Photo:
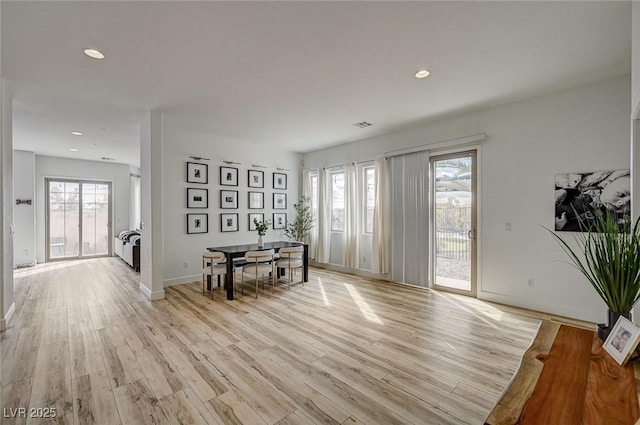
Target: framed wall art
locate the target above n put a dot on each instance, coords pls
(279, 221)
(197, 198)
(197, 223)
(256, 200)
(280, 181)
(229, 222)
(197, 173)
(279, 201)
(255, 216)
(228, 176)
(256, 178)
(228, 199)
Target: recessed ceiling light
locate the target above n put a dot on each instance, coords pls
(93, 53)
(73, 150)
(423, 73)
(76, 133)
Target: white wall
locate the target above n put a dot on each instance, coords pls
(179, 145)
(66, 168)
(7, 303)
(24, 216)
(581, 129)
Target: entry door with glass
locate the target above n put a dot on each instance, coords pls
(78, 219)
(454, 222)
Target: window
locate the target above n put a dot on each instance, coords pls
(369, 191)
(337, 201)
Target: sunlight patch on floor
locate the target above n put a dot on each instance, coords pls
(366, 310)
(474, 311)
(41, 268)
(324, 294)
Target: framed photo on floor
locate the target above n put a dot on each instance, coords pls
(229, 199)
(228, 176)
(279, 221)
(197, 173)
(622, 340)
(256, 216)
(279, 201)
(256, 200)
(256, 178)
(280, 181)
(197, 198)
(197, 223)
(228, 222)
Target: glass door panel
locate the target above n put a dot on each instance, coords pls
(454, 222)
(64, 198)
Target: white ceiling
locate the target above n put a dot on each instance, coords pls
(295, 75)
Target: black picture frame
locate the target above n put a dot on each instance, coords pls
(279, 221)
(197, 223)
(229, 222)
(228, 176)
(197, 198)
(280, 181)
(255, 178)
(228, 199)
(259, 216)
(256, 200)
(197, 173)
(279, 201)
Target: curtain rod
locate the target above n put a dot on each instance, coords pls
(342, 165)
(134, 175)
(440, 144)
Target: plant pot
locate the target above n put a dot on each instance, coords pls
(605, 329)
(260, 242)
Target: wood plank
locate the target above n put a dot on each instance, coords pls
(551, 403)
(93, 401)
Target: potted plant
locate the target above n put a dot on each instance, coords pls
(609, 257)
(303, 223)
(261, 227)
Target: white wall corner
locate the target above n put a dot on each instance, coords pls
(152, 295)
(4, 321)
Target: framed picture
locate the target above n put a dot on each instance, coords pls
(229, 199)
(580, 196)
(279, 201)
(256, 178)
(622, 340)
(279, 181)
(197, 173)
(228, 222)
(256, 200)
(279, 220)
(228, 176)
(257, 216)
(197, 223)
(197, 198)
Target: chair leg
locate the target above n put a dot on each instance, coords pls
(256, 286)
(203, 284)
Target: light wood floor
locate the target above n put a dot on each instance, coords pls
(340, 350)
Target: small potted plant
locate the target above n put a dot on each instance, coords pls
(303, 223)
(261, 227)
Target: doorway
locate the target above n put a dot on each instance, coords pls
(454, 212)
(78, 219)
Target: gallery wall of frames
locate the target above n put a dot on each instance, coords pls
(262, 192)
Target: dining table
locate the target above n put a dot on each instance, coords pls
(235, 252)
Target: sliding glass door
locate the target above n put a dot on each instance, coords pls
(78, 219)
(454, 222)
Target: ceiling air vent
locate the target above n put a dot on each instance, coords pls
(106, 158)
(363, 124)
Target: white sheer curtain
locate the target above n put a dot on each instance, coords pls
(380, 237)
(409, 200)
(324, 217)
(350, 234)
(134, 203)
(307, 192)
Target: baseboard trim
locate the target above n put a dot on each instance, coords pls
(343, 269)
(182, 279)
(155, 295)
(4, 321)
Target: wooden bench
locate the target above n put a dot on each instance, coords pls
(567, 378)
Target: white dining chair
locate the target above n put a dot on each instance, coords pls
(258, 264)
(291, 259)
(213, 264)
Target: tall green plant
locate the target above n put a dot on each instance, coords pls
(303, 223)
(609, 257)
